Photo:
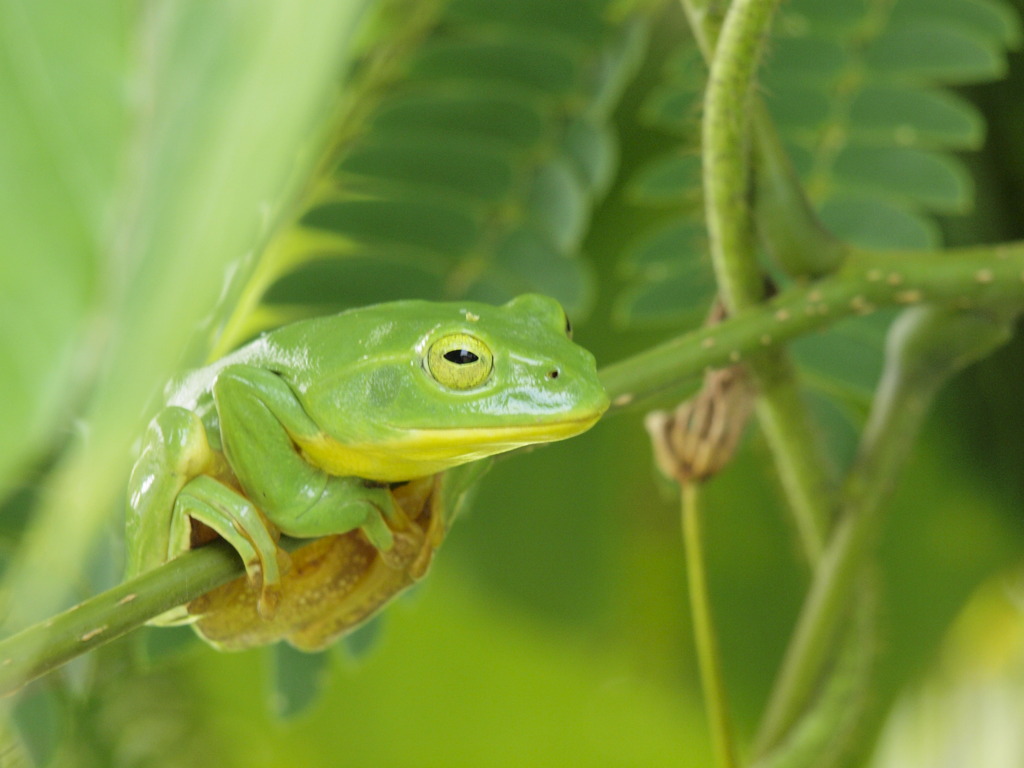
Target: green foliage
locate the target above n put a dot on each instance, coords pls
(191, 173)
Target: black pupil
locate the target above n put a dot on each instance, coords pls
(460, 356)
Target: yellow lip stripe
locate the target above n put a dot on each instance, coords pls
(422, 452)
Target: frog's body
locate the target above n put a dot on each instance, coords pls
(302, 430)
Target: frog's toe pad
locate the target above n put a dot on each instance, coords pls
(266, 606)
(405, 549)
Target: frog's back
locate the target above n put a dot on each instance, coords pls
(303, 350)
(348, 338)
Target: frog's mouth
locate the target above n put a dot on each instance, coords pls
(421, 452)
(471, 443)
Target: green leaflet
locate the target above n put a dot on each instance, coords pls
(670, 180)
(910, 115)
(678, 287)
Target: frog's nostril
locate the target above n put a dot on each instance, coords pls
(553, 374)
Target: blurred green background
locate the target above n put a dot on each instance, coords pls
(180, 176)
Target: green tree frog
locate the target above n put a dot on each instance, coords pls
(311, 429)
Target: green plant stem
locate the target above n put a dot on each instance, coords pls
(926, 347)
(703, 628)
(790, 232)
(705, 19)
(784, 419)
(726, 156)
(800, 460)
(832, 723)
(979, 276)
(789, 229)
(43, 647)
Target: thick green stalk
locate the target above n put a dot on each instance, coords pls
(787, 226)
(926, 347)
(725, 145)
(45, 646)
(703, 628)
(803, 473)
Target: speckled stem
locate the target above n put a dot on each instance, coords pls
(43, 647)
(980, 276)
(800, 461)
(726, 145)
(787, 226)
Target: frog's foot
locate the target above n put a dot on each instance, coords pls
(407, 545)
(234, 518)
(397, 546)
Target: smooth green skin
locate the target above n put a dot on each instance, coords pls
(302, 430)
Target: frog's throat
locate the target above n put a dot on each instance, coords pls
(422, 452)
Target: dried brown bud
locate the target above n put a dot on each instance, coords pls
(696, 440)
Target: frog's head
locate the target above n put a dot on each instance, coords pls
(439, 384)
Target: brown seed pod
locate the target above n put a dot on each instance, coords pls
(696, 440)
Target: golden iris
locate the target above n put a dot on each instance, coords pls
(459, 361)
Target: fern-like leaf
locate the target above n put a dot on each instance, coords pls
(473, 171)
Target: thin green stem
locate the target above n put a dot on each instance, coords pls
(799, 458)
(703, 629)
(705, 20)
(926, 347)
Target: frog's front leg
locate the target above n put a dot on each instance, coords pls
(234, 518)
(173, 483)
(260, 418)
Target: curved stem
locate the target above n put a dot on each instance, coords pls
(703, 628)
(788, 228)
(726, 152)
(926, 347)
(783, 416)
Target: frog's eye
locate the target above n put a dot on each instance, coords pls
(459, 361)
